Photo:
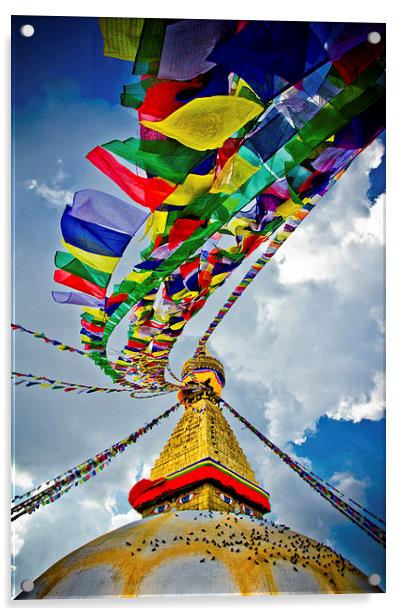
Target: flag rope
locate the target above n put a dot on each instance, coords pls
(368, 526)
(53, 489)
(274, 244)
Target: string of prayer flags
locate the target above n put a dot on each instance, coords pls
(55, 488)
(241, 128)
(366, 524)
(255, 269)
(30, 380)
(41, 336)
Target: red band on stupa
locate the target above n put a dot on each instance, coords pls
(146, 492)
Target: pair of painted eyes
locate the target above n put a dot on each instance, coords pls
(182, 500)
(226, 499)
(185, 499)
(247, 510)
(162, 508)
(230, 501)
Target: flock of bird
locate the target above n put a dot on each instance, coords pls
(265, 542)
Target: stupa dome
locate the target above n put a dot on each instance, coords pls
(196, 552)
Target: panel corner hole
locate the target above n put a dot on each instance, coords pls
(374, 37)
(27, 585)
(27, 30)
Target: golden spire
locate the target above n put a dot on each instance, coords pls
(202, 465)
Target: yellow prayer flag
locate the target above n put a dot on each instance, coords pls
(205, 123)
(184, 293)
(235, 172)
(283, 235)
(86, 339)
(192, 186)
(238, 225)
(155, 225)
(98, 262)
(163, 338)
(121, 36)
(243, 84)
(158, 354)
(218, 278)
(178, 325)
(130, 354)
(98, 313)
(138, 276)
(288, 208)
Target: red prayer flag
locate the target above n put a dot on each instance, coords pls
(181, 230)
(91, 327)
(150, 192)
(160, 99)
(75, 282)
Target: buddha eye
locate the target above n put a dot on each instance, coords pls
(226, 499)
(161, 508)
(247, 510)
(185, 499)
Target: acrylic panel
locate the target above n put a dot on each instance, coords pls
(198, 307)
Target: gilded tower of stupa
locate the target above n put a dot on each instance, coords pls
(202, 530)
(202, 466)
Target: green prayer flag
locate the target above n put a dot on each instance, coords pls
(68, 263)
(167, 159)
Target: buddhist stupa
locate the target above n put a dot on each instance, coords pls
(202, 531)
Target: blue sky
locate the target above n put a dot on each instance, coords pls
(303, 350)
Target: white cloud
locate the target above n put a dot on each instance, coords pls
(309, 331)
(120, 519)
(350, 486)
(378, 314)
(324, 247)
(294, 503)
(109, 505)
(53, 193)
(19, 531)
(366, 406)
(371, 227)
(61, 174)
(55, 196)
(21, 479)
(87, 503)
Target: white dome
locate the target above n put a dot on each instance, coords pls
(199, 553)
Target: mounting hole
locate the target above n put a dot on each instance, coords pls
(27, 585)
(374, 579)
(27, 30)
(374, 37)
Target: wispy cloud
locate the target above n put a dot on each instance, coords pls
(54, 192)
